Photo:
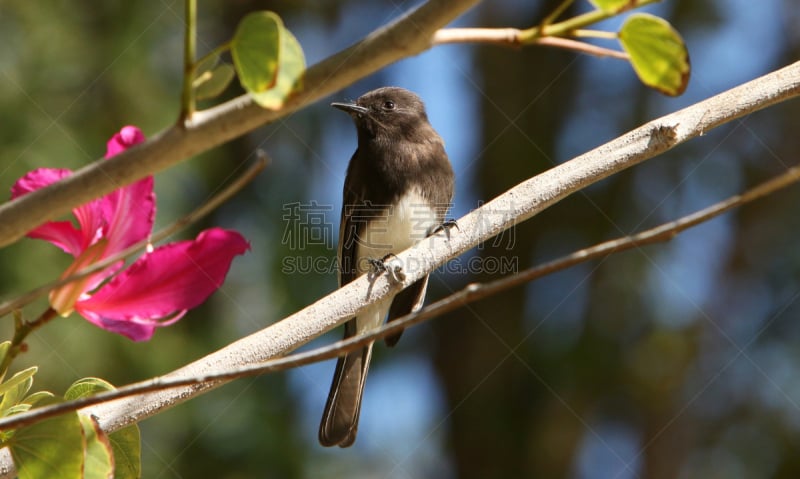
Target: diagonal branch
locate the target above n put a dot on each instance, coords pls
(471, 293)
(406, 36)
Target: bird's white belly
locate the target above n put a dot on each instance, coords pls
(405, 224)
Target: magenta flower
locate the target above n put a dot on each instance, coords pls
(159, 287)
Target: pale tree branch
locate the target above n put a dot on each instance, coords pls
(513, 206)
(471, 293)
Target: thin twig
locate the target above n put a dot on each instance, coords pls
(22, 329)
(471, 293)
(582, 47)
(513, 37)
(213, 203)
(497, 36)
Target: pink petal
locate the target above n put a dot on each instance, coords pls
(36, 179)
(131, 211)
(173, 278)
(127, 137)
(61, 233)
(136, 329)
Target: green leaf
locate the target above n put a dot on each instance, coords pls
(99, 457)
(16, 388)
(206, 65)
(658, 54)
(4, 347)
(36, 397)
(212, 83)
(87, 387)
(613, 6)
(127, 445)
(22, 406)
(52, 448)
(255, 48)
(290, 73)
(268, 59)
(16, 409)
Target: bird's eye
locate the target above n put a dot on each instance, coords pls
(388, 105)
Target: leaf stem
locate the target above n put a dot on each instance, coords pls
(556, 13)
(215, 52)
(568, 27)
(189, 49)
(22, 329)
(595, 34)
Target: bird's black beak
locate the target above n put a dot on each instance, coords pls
(351, 108)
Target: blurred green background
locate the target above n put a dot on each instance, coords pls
(676, 360)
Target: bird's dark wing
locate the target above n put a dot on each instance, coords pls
(409, 300)
(352, 199)
(340, 418)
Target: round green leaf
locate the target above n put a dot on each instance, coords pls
(85, 387)
(292, 65)
(98, 458)
(657, 52)
(50, 448)
(212, 83)
(127, 445)
(255, 47)
(612, 6)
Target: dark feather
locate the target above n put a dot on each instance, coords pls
(408, 301)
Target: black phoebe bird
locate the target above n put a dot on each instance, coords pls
(397, 191)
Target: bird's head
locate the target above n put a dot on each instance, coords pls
(387, 112)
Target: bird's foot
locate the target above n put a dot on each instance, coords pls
(446, 226)
(389, 264)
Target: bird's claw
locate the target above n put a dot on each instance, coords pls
(389, 264)
(446, 226)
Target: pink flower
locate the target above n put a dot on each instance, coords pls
(159, 287)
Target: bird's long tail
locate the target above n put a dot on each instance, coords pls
(340, 418)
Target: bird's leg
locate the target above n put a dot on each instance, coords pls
(446, 226)
(389, 264)
(377, 265)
